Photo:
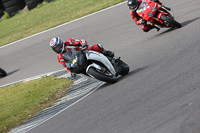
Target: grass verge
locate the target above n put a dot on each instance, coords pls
(48, 15)
(23, 100)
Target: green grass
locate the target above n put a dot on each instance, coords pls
(21, 101)
(46, 16)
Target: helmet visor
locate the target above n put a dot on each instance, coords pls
(133, 7)
(57, 49)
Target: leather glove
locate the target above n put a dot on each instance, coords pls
(143, 21)
(73, 75)
(84, 46)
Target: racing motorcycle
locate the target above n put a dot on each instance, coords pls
(157, 15)
(95, 65)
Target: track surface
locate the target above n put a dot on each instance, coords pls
(161, 94)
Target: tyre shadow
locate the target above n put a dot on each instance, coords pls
(125, 76)
(133, 72)
(10, 73)
(189, 21)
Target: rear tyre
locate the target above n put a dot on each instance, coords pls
(166, 18)
(109, 79)
(124, 68)
(2, 73)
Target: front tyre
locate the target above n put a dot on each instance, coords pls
(168, 19)
(100, 76)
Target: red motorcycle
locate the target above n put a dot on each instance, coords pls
(157, 14)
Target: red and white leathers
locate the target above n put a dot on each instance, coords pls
(137, 18)
(78, 44)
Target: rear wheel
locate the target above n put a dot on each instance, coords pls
(100, 76)
(168, 19)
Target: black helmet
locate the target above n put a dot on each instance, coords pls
(132, 4)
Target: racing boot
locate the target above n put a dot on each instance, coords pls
(150, 27)
(153, 26)
(157, 28)
(108, 53)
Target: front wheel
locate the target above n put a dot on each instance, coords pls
(100, 76)
(168, 19)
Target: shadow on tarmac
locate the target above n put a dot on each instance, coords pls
(131, 73)
(10, 73)
(125, 76)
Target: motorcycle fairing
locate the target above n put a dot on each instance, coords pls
(92, 55)
(148, 9)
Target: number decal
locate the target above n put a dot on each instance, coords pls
(139, 11)
(73, 62)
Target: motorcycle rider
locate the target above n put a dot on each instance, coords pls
(133, 6)
(61, 48)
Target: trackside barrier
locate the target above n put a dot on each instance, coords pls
(14, 6)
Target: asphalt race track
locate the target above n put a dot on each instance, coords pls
(161, 94)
